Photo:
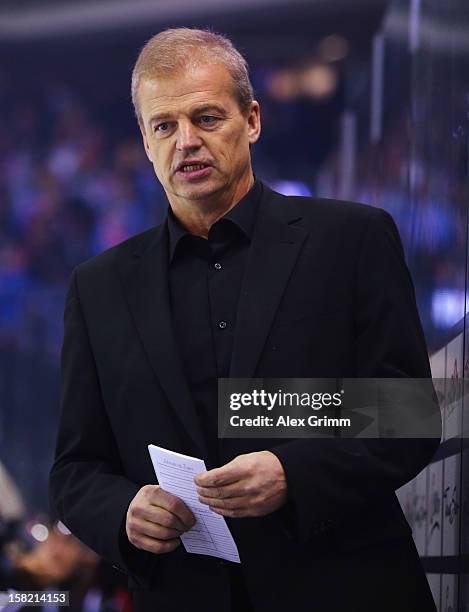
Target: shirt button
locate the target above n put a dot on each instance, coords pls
(222, 324)
(217, 266)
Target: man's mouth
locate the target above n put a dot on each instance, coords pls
(193, 170)
(192, 167)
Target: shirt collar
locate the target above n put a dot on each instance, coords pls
(242, 215)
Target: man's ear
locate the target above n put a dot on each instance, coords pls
(254, 122)
(145, 140)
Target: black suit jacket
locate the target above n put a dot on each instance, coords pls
(326, 294)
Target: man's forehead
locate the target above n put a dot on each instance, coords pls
(213, 81)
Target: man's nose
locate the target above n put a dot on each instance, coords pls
(187, 137)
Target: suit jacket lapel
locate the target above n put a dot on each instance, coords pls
(275, 246)
(145, 281)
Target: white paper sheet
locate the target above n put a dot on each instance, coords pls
(210, 535)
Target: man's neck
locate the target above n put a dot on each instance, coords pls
(199, 219)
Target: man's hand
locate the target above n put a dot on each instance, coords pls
(155, 520)
(250, 485)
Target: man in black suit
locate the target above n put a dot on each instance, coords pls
(239, 281)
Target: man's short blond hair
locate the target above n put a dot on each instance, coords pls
(178, 48)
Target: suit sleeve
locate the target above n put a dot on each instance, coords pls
(87, 488)
(331, 479)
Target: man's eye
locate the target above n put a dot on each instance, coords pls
(162, 127)
(208, 120)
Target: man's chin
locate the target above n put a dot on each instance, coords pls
(198, 191)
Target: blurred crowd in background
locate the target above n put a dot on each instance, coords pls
(66, 195)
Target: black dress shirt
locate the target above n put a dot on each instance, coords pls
(205, 277)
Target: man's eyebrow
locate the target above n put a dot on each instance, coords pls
(204, 108)
(159, 117)
(208, 107)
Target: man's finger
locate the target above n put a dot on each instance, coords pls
(157, 546)
(157, 531)
(160, 516)
(234, 513)
(229, 473)
(233, 503)
(174, 505)
(236, 489)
